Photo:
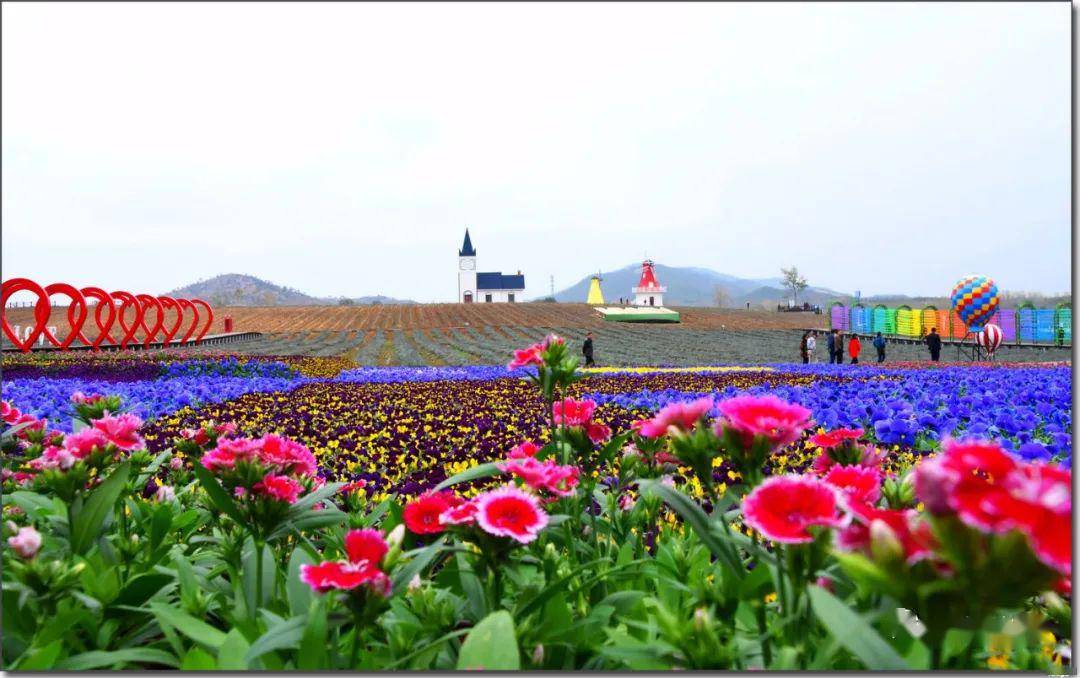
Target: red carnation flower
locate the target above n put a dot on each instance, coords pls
(915, 536)
(783, 507)
(831, 439)
(509, 512)
(365, 546)
(994, 493)
(859, 484)
(598, 433)
(570, 412)
(779, 422)
(422, 516)
(365, 550)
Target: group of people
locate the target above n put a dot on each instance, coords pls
(834, 344)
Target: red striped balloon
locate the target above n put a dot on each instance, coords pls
(990, 338)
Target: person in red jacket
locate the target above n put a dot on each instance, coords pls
(854, 347)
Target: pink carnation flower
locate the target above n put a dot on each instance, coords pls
(287, 456)
(570, 412)
(121, 430)
(682, 416)
(281, 488)
(510, 512)
(26, 543)
(84, 442)
(781, 423)
(228, 452)
(525, 449)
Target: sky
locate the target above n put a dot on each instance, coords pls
(342, 149)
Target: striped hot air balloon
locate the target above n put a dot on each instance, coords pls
(975, 298)
(990, 338)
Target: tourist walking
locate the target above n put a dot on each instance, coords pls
(839, 348)
(854, 348)
(804, 350)
(830, 346)
(587, 350)
(879, 344)
(933, 342)
(811, 344)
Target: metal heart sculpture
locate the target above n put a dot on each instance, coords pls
(209, 318)
(128, 300)
(185, 304)
(41, 311)
(109, 310)
(170, 303)
(105, 303)
(147, 303)
(76, 313)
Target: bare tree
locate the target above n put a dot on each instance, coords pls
(721, 298)
(793, 281)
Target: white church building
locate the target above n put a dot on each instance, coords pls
(485, 287)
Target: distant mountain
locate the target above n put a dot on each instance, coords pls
(691, 286)
(235, 289)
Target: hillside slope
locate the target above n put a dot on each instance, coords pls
(692, 286)
(235, 289)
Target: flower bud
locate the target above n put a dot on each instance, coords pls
(393, 540)
(701, 619)
(825, 583)
(884, 544)
(415, 584)
(538, 654)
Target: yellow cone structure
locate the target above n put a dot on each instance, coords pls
(595, 295)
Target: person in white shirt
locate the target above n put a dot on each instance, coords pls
(811, 344)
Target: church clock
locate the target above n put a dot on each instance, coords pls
(467, 264)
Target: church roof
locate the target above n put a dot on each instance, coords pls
(498, 281)
(467, 249)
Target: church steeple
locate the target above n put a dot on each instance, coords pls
(467, 249)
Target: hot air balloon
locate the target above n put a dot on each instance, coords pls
(975, 298)
(990, 338)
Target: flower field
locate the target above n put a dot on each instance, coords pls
(239, 511)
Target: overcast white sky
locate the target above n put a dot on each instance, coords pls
(342, 149)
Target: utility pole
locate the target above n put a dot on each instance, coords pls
(552, 287)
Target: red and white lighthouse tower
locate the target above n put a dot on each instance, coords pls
(648, 292)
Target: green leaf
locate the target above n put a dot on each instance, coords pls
(479, 471)
(298, 593)
(425, 648)
(193, 628)
(695, 516)
(491, 645)
(40, 659)
(142, 588)
(312, 653)
(854, 633)
(160, 523)
(471, 587)
(420, 560)
(233, 650)
(100, 504)
(286, 635)
(250, 580)
(218, 496)
(133, 655)
(198, 659)
(34, 504)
